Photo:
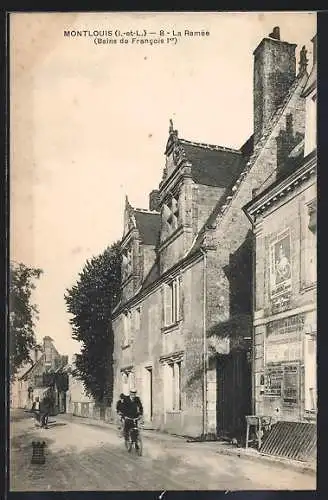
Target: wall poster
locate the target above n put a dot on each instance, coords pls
(284, 339)
(273, 380)
(290, 394)
(280, 272)
(283, 381)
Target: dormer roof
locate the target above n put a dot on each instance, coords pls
(212, 165)
(148, 224)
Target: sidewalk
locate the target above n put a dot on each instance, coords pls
(220, 447)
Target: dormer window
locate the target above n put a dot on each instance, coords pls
(170, 215)
(127, 263)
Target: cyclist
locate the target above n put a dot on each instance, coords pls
(132, 409)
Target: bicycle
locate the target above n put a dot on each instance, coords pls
(134, 437)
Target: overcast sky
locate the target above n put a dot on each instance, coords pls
(89, 123)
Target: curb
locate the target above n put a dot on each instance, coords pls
(279, 461)
(239, 452)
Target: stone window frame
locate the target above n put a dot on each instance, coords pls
(308, 225)
(171, 214)
(175, 365)
(127, 262)
(310, 337)
(130, 375)
(127, 329)
(172, 302)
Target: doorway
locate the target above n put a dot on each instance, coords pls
(234, 393)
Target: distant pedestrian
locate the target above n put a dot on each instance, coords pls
(36, 410)
(45, 410)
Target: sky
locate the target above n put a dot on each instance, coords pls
(89, 124)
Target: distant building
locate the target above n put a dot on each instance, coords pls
(78, 401)
(285, 276)
(20, 396)
(183, 329)
(40, 377)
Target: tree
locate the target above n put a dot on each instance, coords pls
(90, 302)
(22, 315)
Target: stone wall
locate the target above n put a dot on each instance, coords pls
(284, 329)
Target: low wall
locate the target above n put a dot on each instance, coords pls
(91, 410)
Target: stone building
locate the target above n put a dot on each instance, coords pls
(35, 381)
(183, 328)
(285, 277)
(20, 396)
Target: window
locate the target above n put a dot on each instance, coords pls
(170, 215)
(311, 243)
(126, 329)
(172, 302)
(172, 384)
(125, 382)
(126, 263)
(310, 378)
(137, 318)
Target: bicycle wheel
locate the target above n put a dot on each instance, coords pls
(138, 445)
(129, 443)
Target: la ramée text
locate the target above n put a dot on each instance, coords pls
(137, 33)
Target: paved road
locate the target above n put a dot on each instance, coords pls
(85, 457)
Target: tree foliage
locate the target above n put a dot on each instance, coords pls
(22, 315)
(90, 302)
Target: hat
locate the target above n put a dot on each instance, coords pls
(133, 391)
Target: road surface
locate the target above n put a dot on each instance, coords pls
(85, 457)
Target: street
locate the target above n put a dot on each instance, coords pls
(85, 457)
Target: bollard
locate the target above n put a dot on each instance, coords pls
(38, 456)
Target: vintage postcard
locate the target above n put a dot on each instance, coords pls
(163, 241)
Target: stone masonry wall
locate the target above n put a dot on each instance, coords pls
(289, 216)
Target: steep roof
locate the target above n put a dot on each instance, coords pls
(31, 368)
(152, 276)
(212, 165)
(225, 201)
(148, 224)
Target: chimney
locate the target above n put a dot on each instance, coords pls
(154, 200)
(274, 73)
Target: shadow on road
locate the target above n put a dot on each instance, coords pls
(55, 424)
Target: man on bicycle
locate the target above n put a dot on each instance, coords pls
(132, 408)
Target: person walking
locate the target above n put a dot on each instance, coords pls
(36, 410)
(45, 410)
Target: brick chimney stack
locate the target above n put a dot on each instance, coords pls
(154, 200)
(274, 73)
